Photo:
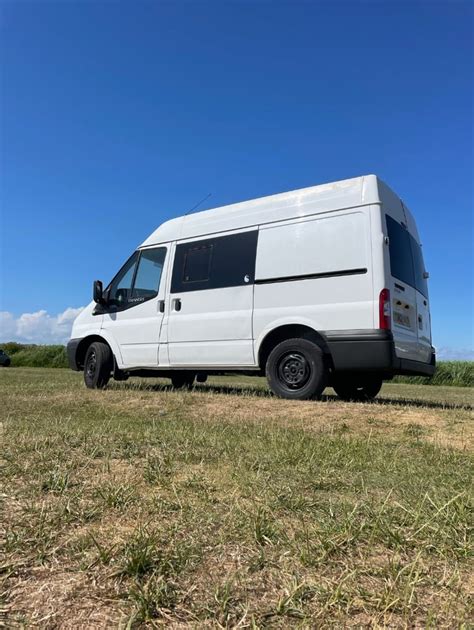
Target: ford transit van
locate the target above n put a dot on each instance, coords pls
(315, 287)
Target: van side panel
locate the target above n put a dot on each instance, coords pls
(324, 245)
(316, 272)
(213, 328)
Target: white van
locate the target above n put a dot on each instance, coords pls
(314, 287)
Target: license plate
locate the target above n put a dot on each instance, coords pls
(401, 319)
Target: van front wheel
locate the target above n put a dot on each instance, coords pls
(98, 365)
(357, 389)
(295, 370)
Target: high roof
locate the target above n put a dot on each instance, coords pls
(347, 193)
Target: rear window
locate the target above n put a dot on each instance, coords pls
(406, 259)
(401, 263)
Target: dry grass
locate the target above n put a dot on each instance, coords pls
(224, 507)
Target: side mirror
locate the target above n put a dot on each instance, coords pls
(98, 292)
(426, 275)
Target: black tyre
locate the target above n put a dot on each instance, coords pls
(98, 365)
(357, 389)
(295, 369)
(183, 380)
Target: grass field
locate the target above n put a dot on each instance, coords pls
(225, 507)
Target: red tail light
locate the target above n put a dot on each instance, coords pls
(385, 320)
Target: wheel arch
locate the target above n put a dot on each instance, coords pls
(84, 345)
(288, 331)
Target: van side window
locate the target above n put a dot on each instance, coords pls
(197, 263)
(148, 276)
(401, 262)
(215, 263)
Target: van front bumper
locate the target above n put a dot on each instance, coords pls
(372, 351)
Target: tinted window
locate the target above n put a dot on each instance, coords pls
(419, 267)
(121, 286)
(401, 263)
(150, 267)
(215, 263)
(197, 263)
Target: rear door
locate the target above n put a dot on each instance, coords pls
(211, 301)
(402, 291)
(422, 303)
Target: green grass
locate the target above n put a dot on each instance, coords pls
(140, 506)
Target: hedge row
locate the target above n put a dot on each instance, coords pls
(36, 356)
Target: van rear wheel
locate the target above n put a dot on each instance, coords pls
(351, 388)
(295, 370)
(98, 365)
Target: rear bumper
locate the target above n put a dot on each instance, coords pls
(71, 350)
(372, 351)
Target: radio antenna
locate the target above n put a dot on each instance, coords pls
(198, 204)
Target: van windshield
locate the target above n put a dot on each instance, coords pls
(406, 259)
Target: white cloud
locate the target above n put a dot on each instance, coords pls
(39, 327)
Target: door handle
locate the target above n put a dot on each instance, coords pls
(161, 306)
(177, 304)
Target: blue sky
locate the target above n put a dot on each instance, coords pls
(116, 116)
